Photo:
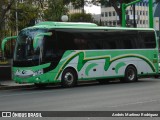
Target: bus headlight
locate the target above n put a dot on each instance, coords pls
(38, 72)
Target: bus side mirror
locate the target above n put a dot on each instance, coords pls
(4, 42)
(37, 38)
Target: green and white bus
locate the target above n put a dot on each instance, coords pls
(66, 52)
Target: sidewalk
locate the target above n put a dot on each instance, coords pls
(10, 84)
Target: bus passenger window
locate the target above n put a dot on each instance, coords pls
(81, 44)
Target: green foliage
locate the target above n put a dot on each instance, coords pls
(55, 10)
(66, 2)
(79, 3)
(81, 17)
(27, 14)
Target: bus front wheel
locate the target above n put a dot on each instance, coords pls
(69, 78)
(130, 74)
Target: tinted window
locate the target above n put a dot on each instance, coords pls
(65, 40)
(52, 51)
(147, 39)
(75, 39)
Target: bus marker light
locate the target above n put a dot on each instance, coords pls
(37, 79)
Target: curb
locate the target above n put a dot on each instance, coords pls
(5, 87)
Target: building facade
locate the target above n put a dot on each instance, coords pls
(73, 10)
(109, 16)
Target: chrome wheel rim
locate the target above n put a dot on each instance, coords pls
(131, 74)
(69, 78)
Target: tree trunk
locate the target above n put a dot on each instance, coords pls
(5, 10)
(118, 10)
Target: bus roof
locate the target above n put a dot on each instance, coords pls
(48, 23)
(79, 25)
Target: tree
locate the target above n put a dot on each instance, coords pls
(80, 3)
(56, 9)
(8, 9)
(81, 17)
(117, 5)
(27, 12)
(5, 6)
(27, 15)
(66, 2)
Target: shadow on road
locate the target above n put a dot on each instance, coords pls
(83, 84)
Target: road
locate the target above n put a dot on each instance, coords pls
(115, 96)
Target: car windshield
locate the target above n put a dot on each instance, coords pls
(24, 46)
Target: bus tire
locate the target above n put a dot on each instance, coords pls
(69, 78)
(130, 74)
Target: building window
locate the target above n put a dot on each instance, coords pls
(106, 23)
(143, 21)
(127, 12)
(110, 23)
(140, 4)
(140, 12)
(137, 12)
(102, 14)
(140, 21)
(106, 14)
(114, 23)
(131, 12)
(114, 14)
(143, 12)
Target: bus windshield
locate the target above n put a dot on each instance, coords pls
(24, 46)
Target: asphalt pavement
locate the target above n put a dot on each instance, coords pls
(115, 96)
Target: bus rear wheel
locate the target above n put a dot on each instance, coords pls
(69, 78)
(130, 74)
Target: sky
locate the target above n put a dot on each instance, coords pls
(93, 9)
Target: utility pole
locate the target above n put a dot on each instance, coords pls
(16, 19)
(151, 24)
(83, 3)
(124, 6)
(134, 16)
